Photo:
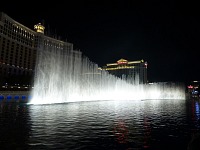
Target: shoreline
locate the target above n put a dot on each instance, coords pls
(14, 96)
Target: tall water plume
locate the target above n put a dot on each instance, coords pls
(69, 76)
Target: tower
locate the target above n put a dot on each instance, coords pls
(39, 28)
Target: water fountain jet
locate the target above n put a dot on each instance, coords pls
(62, 77)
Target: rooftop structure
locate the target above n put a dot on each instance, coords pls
(132, 70)
(20, 47)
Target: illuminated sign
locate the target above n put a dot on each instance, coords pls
(190, 87)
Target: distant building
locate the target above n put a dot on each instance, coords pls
(19, 47)
(193, 89)
(131, 70)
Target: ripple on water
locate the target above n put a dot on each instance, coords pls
(99, 125)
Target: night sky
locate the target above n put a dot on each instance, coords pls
(163, 33)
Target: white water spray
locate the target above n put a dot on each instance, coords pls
(70, 77)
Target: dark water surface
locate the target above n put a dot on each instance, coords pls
(104, 125)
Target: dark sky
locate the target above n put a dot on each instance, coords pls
(165, 33)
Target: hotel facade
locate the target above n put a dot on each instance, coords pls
(19, 48)
(135, 71)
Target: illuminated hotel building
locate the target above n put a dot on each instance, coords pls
(19, 47)
(193, 89)
(129, 69)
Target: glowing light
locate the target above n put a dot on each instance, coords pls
(39, 28)
(190, 87)
(122, 61)
(72, 78)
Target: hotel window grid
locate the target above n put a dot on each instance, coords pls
(19, 46)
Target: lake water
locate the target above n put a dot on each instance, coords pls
(102, 125)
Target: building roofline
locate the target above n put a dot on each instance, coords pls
(128, 62)
(4, 15)
(13, 20)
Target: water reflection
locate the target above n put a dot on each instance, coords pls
(121, 131)
(197, 110)
(100, 125)
(195, 116)
(147, 132)
(14, 126)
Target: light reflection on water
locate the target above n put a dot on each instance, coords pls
(100, 125)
